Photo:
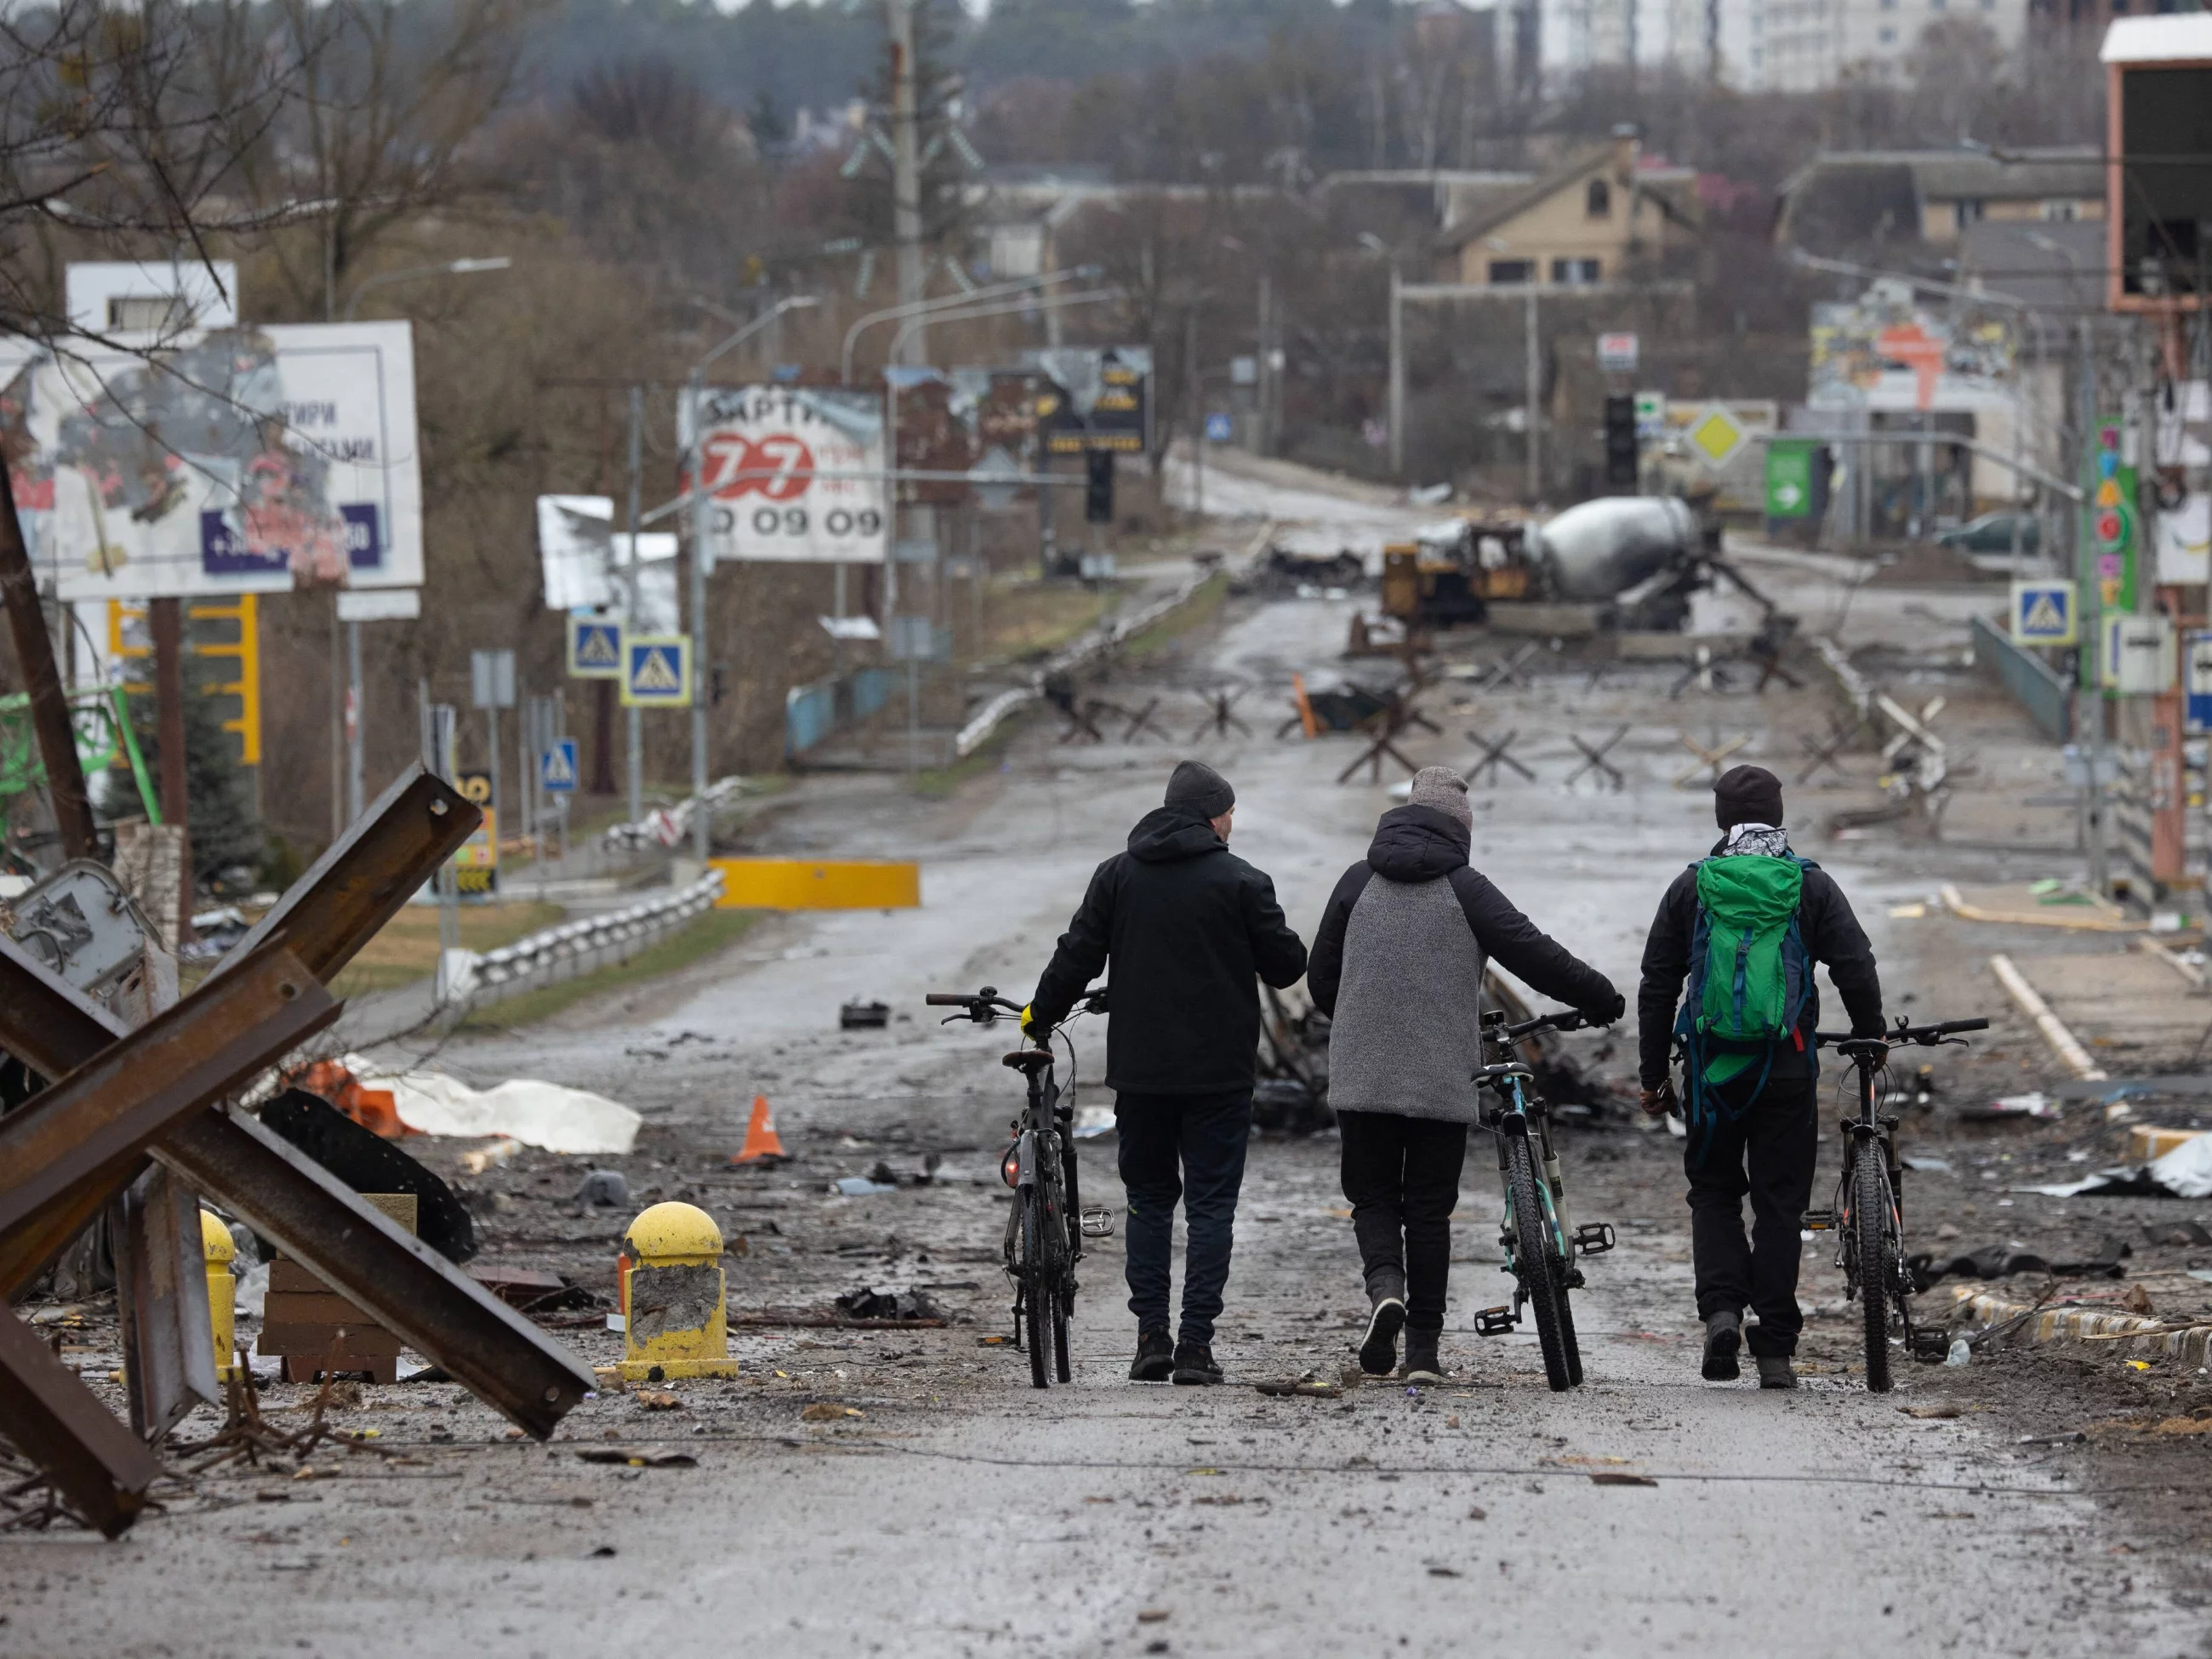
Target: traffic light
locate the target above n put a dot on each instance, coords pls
(1098, 487)
(1620, 441)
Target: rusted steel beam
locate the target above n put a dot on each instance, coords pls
(407, 1287)
(160, 1291)
(93, 1126)
(100, 1468)
(359, 884)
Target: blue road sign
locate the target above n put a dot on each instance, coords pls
(557, 767)
(594, 648)
(2197, 687)
(656, 672)
(1219, 429)
(2042, 612)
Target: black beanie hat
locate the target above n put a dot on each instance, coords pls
(1747, 794)
(1197, 786)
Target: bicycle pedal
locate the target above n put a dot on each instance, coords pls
(1819, 1221)
(1098, 1222)
(1593, 1238)
(1931, 1347)
(1495, 1322)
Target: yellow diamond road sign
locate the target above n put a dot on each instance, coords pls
(1718, 435)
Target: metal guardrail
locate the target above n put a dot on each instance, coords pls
(580, 947)
(2044, 694)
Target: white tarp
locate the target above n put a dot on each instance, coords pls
(766, 448)
(546, 1114)
(243, 460)
(2184, 1172)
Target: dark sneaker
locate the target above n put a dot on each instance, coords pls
(1378, 1352)
(1723, 1340)
(1155, 1357)
(1775, 1371)
(1422, 1364)
(1194, 1366)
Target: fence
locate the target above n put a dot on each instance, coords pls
(580, 947)
(811, 713)
(2044, 694)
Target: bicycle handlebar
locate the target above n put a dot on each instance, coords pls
(1566, 1020)
(1926, 1036)
(988, 1005)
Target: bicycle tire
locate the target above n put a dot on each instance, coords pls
(1567, 1338)
(1035, 1289)
(1060, 1339)
(1871, 1213)
(1534, 1253)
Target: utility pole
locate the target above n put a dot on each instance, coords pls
(1267, 364)
(1535, 399)
(1397, 412)
(1197, 410)
(633, 718)
(49, 711)
(906, 172)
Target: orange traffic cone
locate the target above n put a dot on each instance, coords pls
(762, 1141)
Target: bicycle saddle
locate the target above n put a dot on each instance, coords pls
(1497, 1075)
(1032, 1061)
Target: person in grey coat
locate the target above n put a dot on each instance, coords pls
(1398, 968)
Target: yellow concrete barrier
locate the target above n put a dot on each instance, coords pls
(675, 1318)
(835, 884)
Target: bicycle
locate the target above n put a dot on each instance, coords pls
(1047, 1224)
(1867, 1215)
(1541, 1244)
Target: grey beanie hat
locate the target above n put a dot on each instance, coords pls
(1197, 786)
(1444, 791)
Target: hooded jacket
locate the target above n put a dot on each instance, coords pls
(1398, 966)
(1189, 927)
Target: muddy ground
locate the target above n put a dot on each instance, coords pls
(933, 1503)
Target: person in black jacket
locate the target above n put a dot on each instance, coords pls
(1760, 1135)
(1189, 928)
(1398, 965)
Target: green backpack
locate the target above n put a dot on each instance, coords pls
(1749, 974)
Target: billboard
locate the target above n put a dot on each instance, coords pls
(247, 460)
(977, 421)
(1101, 398)
(1884, 352)
(795, 473)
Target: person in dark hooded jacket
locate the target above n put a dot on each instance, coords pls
(1189, 928)
(1397, 965)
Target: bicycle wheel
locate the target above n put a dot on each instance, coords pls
(1567, 1323)
(1060, 1337)
(1534, 1253)
(1036, 1288)
(1872, 1228)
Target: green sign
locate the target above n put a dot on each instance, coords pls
(1788, 480)
(2109, 536)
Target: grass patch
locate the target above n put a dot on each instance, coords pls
(706, 935)
(1203, 605)
(1039, 616)
(938, 783)
(406, 948)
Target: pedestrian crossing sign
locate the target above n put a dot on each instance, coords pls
(557, 767)
(2042, 612)
(656, 672)
(594, 647)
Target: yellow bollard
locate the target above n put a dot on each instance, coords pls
(675, 1322)
(222, 1293)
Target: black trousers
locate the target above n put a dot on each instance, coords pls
(1765, 1152)
(1401, 1179)
(1189, 1147)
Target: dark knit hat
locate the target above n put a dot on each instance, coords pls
(1747, 794)
(1442, 790)
(1197, 786)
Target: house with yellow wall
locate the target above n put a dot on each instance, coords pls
(1605, 209)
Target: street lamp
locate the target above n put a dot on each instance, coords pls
(357, 782)
(450, 268)
(702, 529)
